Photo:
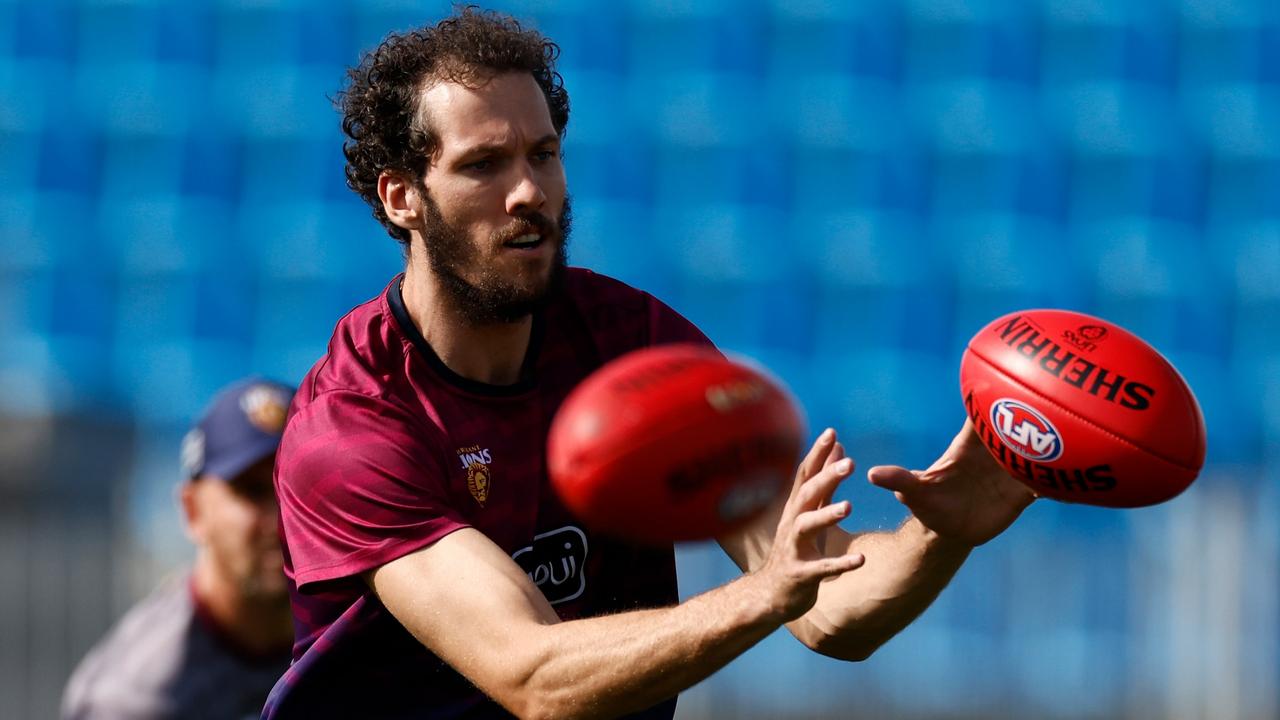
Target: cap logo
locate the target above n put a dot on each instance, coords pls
(192, 456)
(266, 408)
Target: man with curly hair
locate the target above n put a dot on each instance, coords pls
(433, 572)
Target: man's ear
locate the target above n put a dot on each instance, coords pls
(192, 519)
(399, 196)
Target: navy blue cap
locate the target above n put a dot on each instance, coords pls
(240, 427)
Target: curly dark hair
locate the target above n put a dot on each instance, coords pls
(380, 105)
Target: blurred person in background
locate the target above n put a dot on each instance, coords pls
(212, 642)
(434, 572)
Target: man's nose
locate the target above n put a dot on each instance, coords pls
(526, 194)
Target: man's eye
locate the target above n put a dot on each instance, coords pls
(479, 165)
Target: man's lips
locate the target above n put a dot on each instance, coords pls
(527, 241)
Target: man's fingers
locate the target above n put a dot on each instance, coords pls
(892, 477)
(836, 454)
(830, 567)
(813, 461)
(819, 488)
(824, 517)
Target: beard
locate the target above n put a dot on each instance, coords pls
(490, 298)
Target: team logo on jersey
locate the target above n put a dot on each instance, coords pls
(1026, 431)
(475, 460)
(265, 407)
(556, 562)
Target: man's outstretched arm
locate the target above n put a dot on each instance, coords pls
(961, 501)
(472, 606)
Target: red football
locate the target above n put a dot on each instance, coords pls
(1082, 410)
(673, 443)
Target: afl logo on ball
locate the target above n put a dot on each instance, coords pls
(1025, 431)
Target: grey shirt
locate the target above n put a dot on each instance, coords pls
(162, 660)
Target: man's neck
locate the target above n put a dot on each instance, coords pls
(493, 354)
(258, 626)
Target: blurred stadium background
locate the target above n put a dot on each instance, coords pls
(843, 190)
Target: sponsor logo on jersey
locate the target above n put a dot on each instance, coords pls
(265, 407)
(476, 460)
(1025, 430)
(556, 562)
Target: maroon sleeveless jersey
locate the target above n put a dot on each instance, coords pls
(386, 451)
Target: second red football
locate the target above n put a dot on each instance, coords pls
(672, 443)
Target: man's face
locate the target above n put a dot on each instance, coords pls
(494, 204)
(236, 522)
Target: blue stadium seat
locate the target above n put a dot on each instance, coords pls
(326, 35)
(366, 254)
(18, 157)
(831, 181)
(976, 115)
(727, 242)
(155, 309)
(694, 176)
(609, 170)
(853, 39)
(1137, 257)
(291, 330)
(79, 381)
(1247, 257)
(862, 247)
(274, 100)
(36, 228)
(70, 161)
(698, 108)
(25, 371)
(744, 315)
(1233, 402)
(27, 302)
(212, 165)
(836, 111)
(1001, 263)
(880, 389)
(598, 114)
(31, 94)
(288, 239)
(186, 34)
(225, 307)
(940, 49)
(1212, 53)
(594, 38)
(697, 38)
(168, 379)
(300, 163)
(248, 35)
(42, 30)
(161, 99)
(109, 33)
(147, 236)
(613, 237)
(135, 165)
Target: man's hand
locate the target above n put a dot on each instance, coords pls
(797, 562)
(965, 496)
